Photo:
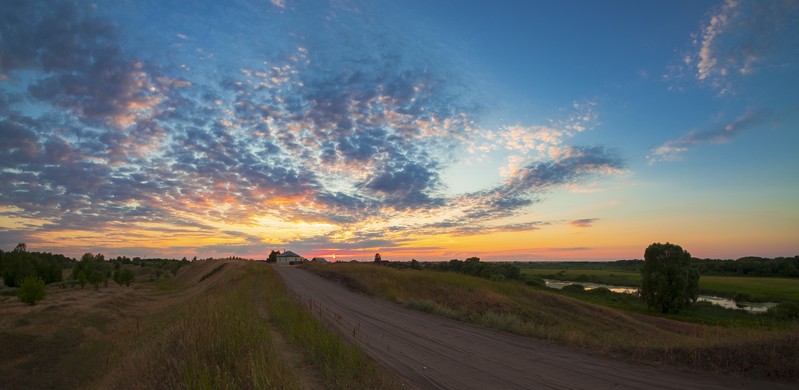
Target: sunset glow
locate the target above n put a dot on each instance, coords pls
(338, 129)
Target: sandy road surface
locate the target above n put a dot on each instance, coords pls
(429, 352)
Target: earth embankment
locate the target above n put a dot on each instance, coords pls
(428, 351)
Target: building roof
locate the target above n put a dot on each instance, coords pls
(288, 254)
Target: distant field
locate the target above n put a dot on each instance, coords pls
(778, 289)
(621, 278)
(763, 289)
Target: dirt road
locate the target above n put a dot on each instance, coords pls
(431, 352)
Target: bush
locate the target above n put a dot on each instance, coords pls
(573, 288)
(31, 290)
(785, 311)
(534, 281)
(124, 276)
(742, 297)
(602, 291)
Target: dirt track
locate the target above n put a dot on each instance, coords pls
(428, 351)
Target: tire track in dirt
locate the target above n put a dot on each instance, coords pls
(432, 352)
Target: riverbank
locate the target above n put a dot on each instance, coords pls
(737, 288)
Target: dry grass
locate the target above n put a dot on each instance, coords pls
(208, 327)
(771, 352)
(216, 340)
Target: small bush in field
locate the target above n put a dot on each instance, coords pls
(601, 291)
(31, 290)
(574, 288)
(785, 311)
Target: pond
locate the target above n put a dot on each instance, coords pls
(752, 307)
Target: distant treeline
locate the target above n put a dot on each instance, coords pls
(786, 267)
(18, 263)
(473, 266)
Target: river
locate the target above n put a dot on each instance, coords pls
(752, 307)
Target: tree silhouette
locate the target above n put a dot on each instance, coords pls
(378, 258)
(272, 257)
(668, 281)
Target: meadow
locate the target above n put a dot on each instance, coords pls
(715, 340)
(757, 289)
(217, 324)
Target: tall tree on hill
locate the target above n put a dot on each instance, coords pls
(668, 281)
(378, 258)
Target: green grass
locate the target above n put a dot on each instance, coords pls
(612, 277)
(340, 364)
(758, 288)
(762, 347)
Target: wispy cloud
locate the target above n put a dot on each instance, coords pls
(674, 149)
(740, 38)
(583, 223)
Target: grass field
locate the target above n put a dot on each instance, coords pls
(211, 326)
(756, 347)
(758, 289)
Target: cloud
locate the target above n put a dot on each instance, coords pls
(674, 149)
(741, 37)
(336, 136)
(82, 67)
(530, 181)
(583, 223)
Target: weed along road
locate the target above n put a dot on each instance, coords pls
(432, 352)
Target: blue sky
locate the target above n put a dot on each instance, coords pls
(511, 131)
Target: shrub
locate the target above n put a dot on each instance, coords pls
(785, 311)
(742, 297)
(574, 288)
(124, 276)
(81, 278)
(534, 281)
(31, 290)
(602, 291)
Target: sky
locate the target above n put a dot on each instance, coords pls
(510, 130)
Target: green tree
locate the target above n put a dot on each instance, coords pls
(95, 269)
(95, 277)
(378, 258)
(127, 276)
(272, 257)
(124, 276)
(81, 278)
(19, 265)
(668, 281)
(31, 290)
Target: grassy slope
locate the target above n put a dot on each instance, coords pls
(763, 289)
(179, 333)
(750, 350)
